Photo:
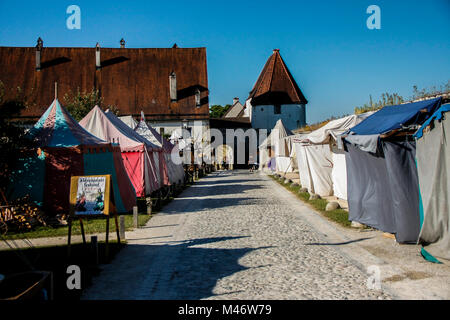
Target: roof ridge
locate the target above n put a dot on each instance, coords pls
(283, 64)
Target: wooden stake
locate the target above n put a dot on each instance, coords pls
(82, 231)
(69, 237)
(56, 90)
(94, 244)
(117, 228)
(122, 227)
(135, 217)
(107, 238)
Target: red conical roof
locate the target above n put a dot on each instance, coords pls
(276, 85)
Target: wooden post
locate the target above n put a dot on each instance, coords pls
(51, 295)
(82, 231)
(122, 227)
(117, 228)
(107, 238)
(69, 237)
(135, 217)
(94, 244)
(149, 205)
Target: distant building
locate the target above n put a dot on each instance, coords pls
(169, 84)
(276, 96)
(236, 110)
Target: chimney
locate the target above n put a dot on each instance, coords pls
(122, 43)
(173, 86)
(235, 100)
(97, 56)
(197, 98)
(39, 46)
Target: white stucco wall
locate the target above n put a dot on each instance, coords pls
(264, 117)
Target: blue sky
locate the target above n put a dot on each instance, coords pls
(336, 60)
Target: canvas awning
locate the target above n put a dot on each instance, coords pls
(366, 135)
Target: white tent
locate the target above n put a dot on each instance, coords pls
(281, 151)
(321, 165)
(129, 121)
(175, 169)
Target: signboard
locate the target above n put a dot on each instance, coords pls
(90, 195)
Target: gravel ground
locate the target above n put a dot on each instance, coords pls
(233, 235)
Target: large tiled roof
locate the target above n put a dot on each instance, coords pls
(130, 79)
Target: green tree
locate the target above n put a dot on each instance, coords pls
(217, 111)
(80, 103)
(13, 139)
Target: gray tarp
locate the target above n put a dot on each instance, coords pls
(383, 190)
(433, 165)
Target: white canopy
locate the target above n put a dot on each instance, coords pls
(276, 141)
(322, 166)
(175, 169)
(129, 121)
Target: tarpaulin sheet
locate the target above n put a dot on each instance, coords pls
(383, 191)
(394, 117)
(368, 190)
(433, 166)
(402, 173)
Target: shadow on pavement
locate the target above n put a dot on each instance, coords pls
(208, 204)
(226, 189)
(178, 271)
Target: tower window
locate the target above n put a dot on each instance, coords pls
(277, 109)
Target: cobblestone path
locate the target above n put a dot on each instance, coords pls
(232, 235)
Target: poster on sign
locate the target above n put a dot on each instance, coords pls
(90, 195)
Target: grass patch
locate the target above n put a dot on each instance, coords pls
(339, 216)
(91, 225)
(94, 225)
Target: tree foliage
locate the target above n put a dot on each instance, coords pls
(12, 134)
(217, 111)
(80, 103)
